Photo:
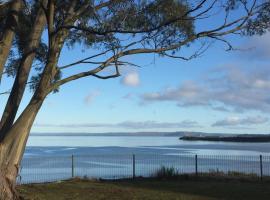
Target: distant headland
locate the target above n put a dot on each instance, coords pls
(182, 135)
(235, 138)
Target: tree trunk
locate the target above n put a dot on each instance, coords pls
(8, 183)
(12, 148)
(20, 82)
(8, 35)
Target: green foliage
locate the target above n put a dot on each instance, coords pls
(261, 24)
(33, 84)
(150, 24)
(258, 24)
(23, 30)
(103, 27)
(13, 64)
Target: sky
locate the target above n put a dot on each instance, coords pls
(218, 92)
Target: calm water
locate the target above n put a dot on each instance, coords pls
(116, 144)
(48, 158)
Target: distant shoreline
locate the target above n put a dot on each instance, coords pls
(183, 135)
(244, 138)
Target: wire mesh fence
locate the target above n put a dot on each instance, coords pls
(230, 165)
(109, 166)
(117, 166)
(44, 169)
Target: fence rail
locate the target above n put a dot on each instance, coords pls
(116, 166)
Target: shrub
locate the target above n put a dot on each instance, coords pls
(241, 174)
(165, 173)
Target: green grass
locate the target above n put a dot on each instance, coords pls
(147, 189)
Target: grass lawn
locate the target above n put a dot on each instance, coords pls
(148, 189)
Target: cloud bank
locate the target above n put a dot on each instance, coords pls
(233, 88)
(236, 121)
(128, 125)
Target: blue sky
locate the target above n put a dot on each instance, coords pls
(169, 95)
(220, 91)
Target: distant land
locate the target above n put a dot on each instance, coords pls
(169, 134)
(184, 135)
(229, 138)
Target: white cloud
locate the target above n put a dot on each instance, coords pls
(189, 93)
(91, 96)
(232, 88)
(258, 47)
(131, 79)
(154, 124)
(236, 121)
(262, 83)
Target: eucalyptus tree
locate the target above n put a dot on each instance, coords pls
(260, 24)
(9, 20)
(33, 34)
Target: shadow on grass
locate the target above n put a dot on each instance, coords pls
(217, 188)
(180, 188)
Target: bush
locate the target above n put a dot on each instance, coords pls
(241, 174)
(219, 173)
(215, 172)
(165, 173)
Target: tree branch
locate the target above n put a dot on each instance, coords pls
(5, 93)
(83, 60)
(214, 33)
(163, 24)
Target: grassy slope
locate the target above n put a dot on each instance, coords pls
(148, 190)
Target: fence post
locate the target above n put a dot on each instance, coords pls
(133, 166)
(261, 167)
(196, 165)
(72, 166)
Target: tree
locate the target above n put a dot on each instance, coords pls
(8, 24)
(162, 27)
(260, 24)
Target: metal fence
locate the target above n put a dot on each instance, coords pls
(116, 166)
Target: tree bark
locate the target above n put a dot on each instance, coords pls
(12, 149)
(13, 144)
(14, 138)
(22, 76)
(8, 35)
